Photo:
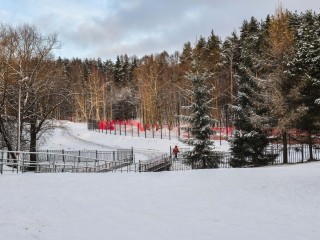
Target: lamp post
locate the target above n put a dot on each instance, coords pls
(19, 112)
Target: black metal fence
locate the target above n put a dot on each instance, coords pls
(123, 160)
(296, 154)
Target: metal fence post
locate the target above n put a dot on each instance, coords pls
(37, 164)
(152, 131)
(101, 122)
(64, 161)
(302, 153)
(131, 154)
(23, 163)
(145, 131)
(18, 162)
(1, 166)
(132, 129)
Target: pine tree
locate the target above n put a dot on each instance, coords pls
(230, 56)
(200, 121)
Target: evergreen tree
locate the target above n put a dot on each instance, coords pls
(117, 72)
(199, 51)
(126, 70)
(305, 68)
(186, 59)
(186, 56)
(230, 57)
(280, 90)
(212, 52)
(200, 121)
(248, 142)
(133, 66)
(86, 70)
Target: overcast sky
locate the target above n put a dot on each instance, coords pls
(107, 28)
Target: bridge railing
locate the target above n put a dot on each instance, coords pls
(55, 161)
(156, 164)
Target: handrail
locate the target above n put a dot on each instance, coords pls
(58, 161)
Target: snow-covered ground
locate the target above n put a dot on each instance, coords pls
(75, 136)
(279, 202)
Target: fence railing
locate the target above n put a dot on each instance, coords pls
(65, 161)
(296, 154)
(122, 160)
(159, 163)
(117, 155)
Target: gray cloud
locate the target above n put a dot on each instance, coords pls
(106, 28)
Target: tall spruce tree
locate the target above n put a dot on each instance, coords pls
(200, 121)
(305, 69)
(248, 142)
(280, 90)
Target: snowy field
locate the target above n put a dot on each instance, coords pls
(271, 203)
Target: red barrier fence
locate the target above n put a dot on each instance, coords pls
(135, 128)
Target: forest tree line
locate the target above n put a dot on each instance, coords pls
(268, 75)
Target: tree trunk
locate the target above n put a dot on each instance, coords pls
(285, 147)
(310, 145)
(33, 146)
(6, 140)
(204, 165)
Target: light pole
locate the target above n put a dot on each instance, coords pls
(19, 112)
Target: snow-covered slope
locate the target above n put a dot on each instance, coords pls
(75, 136)
(263, 203)
(279, 202)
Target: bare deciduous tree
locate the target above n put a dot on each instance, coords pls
(29, 75)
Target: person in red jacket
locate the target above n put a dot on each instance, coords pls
(175, 151)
